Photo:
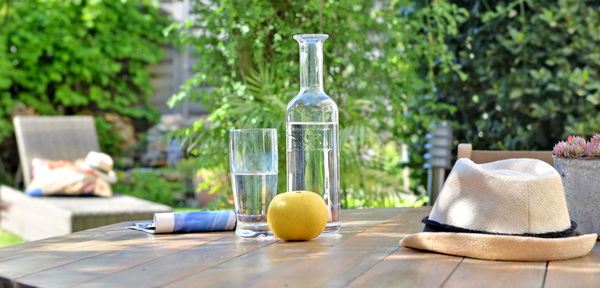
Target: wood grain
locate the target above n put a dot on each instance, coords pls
(176, 266)
(17, 251)
(115, 256)
(38, 256)
(579, 272)
(465, 150)
(365, 254)
(58, 253)
(409, 268)
(33, 247)
(181, 264)
(323, 261)
(484, 273)
(49, 256)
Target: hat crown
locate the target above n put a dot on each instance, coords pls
(99, 161)
(513, 196)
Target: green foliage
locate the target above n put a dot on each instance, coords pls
(186, 209)
(108, 138)
(533, 73)
(380, 63)
(148, 185)
(78, 57)
(9, 239)
(5, 177)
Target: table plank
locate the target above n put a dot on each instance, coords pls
(358, 254)
(365, 254)
(172, 267)
(321, 262)
(55, 254)
(77, 238)
(579, 272)
(485, 273)
(409, 268)
(177, 266)
(118, 257)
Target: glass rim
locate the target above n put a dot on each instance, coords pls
(311, 36)
(253, 130)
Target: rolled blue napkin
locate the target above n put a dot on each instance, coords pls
(182, 222)
(34, 192)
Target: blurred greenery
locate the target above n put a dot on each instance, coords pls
(380, 61)
(508, 74)
(147, 184)
(78, 57)
(9, 239)
(533, 72)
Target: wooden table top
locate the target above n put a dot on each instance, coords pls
(365, 254)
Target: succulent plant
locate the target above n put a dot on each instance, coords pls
(560, 148)
(579, 141)
(595, 139)
(574, 150)
(592, 149)
(576, 146)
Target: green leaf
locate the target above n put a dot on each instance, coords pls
(66, 96)
(55, 76)
(5, 83)
(515, 93)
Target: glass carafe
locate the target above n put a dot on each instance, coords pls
(312, 133)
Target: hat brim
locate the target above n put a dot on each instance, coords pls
(500, 247)
(109, 177)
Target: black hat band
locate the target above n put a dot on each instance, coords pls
(433, 226)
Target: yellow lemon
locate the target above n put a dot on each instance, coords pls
(297, 215)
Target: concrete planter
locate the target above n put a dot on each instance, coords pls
(581, 181)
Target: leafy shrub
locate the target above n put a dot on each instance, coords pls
(148, 185)
(376, 60)
(533, 73)
(78, 57)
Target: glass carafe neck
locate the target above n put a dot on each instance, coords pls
(311, 61)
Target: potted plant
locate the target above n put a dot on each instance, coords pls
(578, 163)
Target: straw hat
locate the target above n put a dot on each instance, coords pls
(511, 209)
(102, 166)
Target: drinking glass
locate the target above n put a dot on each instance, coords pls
(253, 161)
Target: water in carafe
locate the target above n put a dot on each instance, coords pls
(312, 133)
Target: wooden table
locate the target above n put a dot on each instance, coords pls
(366, 254)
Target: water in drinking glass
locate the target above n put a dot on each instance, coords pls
(253, 192)
(253, 160)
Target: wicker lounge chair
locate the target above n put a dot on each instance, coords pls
(62, 138)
